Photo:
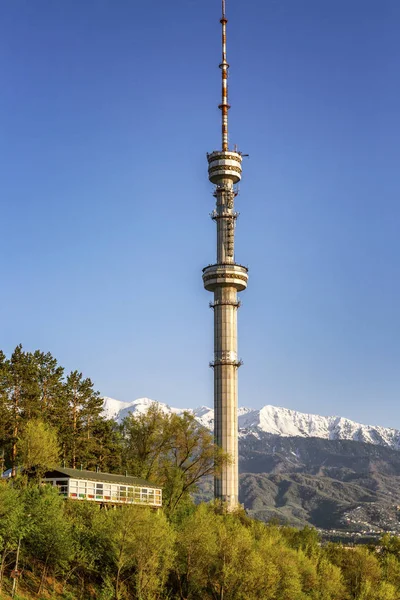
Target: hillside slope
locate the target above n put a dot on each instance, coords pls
(331, 484)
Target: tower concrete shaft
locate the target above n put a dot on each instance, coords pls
(225, 279)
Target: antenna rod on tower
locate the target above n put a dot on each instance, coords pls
(224, 106)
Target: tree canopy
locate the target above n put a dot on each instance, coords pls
(48, 417)
(75, 550)
(171, 450)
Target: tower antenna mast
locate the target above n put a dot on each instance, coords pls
(224, 66)
(225, 279)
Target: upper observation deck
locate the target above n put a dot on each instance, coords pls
(224, 165)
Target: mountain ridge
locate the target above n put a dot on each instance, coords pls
(271, 420)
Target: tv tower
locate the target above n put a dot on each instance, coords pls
(225, 279)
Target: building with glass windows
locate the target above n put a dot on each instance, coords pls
(104, 488)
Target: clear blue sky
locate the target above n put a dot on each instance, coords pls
(107, 110)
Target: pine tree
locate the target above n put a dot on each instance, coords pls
(50, 384)
(4, 410)
(22, 395)
(81, 409)
(105, 446)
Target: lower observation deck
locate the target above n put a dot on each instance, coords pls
(228, 275)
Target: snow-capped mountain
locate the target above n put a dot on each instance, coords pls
(287, 423)
(118, 410)
(271, 420)
(115, 409)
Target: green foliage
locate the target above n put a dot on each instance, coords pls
(81, 409)
(49, 534)
(12, 523)
(330, 581)
(141, 551)
(362, 573)
(11, 516)
(33, 389)
(73, 549)
(306, 539)
(170, 450)
(38, 447)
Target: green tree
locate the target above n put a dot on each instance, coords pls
(80, 411)
(104, 447)
(330, 582)
(237, 569)
(390, 565)
(22, 395)
(50, 386)
(223, 556)
(390, 544)
(38, 447)
(362, 574)
(91, 531)
(12, 520)
(306, 539)
(32, 386)
(49, 538)
(170, 450)
(290, 581)
(5, 416)
(387, 591)
(196, 547)
(141, 552)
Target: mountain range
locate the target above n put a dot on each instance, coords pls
(328, 472)
(272, 420)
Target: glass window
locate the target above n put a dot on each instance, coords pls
(62, 485)
(82, 489)
(99, 491)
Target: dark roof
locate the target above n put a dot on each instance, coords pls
(98, 476)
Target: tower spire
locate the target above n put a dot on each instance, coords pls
(224, 66)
